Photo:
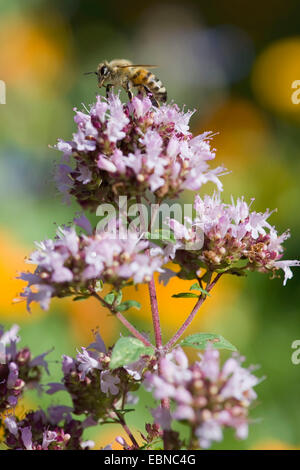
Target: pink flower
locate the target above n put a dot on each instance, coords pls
(210, 364)
(204, 395)
(117, 120)
(152, 146)
(87, 363)
(162, 416)
(232, 235)
(73, 264)
(68, 364)
(285, 265)
(108, 383)
(27, 437)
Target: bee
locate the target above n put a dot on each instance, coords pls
(123, 73)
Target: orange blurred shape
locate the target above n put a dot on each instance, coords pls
(33, 53)
(12, 261)
(273, 444)
(88, 315)
(274, 72)
(109, 434)
(174, 311)
(242, 132)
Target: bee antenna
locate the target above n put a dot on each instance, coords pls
(89, 73)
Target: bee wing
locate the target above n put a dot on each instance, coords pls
(138, 65)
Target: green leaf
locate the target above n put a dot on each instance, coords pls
(114, 297)
(119, 296)
(81, 297)
(201, 340)
(197, 287)
(128, 304)
(185, 295)
(128, 350)
(109, 298)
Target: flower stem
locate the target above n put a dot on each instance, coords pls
(152, 289)
(122, 421)
(165, 402)
(155, 314)
(191, 316)
(124, 321)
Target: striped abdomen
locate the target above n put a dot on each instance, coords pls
(147, 79)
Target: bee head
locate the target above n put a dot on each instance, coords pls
(103, 73)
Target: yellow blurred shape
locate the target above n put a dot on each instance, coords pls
(109, 434)
(273, 444)
(23, 406)
(33, 52)
(242, 133)
(274, 72)
(88, 315)
(12, 261)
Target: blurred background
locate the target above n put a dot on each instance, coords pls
(233, 61)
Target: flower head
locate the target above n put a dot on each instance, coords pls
(95, 389)
(235, 239)
(54, 430)
(74, 264)
(204, 395)
(128, 149)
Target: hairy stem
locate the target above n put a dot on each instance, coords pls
(124, 321)
(155, 314)
(152, 289)
(192, 315)
(165, 402)
(122, 421)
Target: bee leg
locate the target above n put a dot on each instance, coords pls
(129, 92)
(148, 93)
(151, 96)
(108, 87)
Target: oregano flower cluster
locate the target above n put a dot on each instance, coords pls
(236, 240)
(128, 149)
(147, 154)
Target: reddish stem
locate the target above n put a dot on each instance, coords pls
(165, 402)
(155, 314)
(122, 421)
(192, 315)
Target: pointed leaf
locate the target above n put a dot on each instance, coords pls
(201, 340)
(128, 304)
(185, 295)
(197, 287)
(109, 298)
(81, 297)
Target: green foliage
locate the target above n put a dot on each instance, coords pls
(127, 305)
(196, 286)
(185, 295)
(128, 350)
(202, 340)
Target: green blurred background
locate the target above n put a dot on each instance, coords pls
(235, 62)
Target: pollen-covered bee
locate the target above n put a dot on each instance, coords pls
(123, 73)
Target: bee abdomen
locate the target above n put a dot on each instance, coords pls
(157, 88)
(147, 79)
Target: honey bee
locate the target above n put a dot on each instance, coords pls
(123, 73)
